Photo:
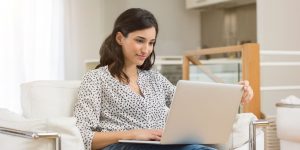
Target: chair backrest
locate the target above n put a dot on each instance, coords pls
(47, 99)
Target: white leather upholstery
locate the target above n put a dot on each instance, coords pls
(47, 99)
(239, 137)
(47, 106)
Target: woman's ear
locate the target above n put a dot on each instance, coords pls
(119, 38)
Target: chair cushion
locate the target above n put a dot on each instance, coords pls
(65, 126)
(49, 99)
(11, 120)
(239, 136)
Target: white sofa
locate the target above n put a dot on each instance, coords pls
(47, 115)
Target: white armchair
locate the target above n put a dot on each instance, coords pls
(47, 122)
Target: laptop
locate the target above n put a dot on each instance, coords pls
(200, 113)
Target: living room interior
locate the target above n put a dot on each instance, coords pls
(34, 52)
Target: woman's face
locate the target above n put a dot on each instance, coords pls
(137, 46)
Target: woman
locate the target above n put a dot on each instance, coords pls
(123, 98)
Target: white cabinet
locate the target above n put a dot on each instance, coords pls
(216, 3)
(202, 3)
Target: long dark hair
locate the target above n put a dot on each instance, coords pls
(111, 52)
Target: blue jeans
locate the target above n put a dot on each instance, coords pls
(129, 146)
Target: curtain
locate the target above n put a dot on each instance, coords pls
(31, 46)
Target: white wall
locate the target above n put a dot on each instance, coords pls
(84, 31)
(179, 28)
(278, 29)
(92, 20)
(278, 24)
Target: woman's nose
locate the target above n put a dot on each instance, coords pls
(145, 48)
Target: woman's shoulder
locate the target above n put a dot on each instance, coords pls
(96, 74)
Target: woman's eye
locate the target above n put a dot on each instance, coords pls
(139, 40)
(151, 43)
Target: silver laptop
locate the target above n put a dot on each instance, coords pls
(200, 113)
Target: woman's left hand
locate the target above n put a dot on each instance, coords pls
(248, 92)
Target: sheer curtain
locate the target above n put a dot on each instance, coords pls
(31, 45)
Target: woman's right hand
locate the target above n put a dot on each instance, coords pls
(146, 134)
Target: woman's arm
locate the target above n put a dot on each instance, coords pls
(103, 139)
(88, 107)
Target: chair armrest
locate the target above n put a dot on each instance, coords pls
(252, 131)
(33, 135)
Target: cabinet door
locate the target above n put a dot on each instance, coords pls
(216, 3)
(202, 3)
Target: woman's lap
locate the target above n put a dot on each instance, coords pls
(128, 146)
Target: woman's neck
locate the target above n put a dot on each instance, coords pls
(130, 71)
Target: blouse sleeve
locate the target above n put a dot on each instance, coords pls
(168, 88)
(87, 108)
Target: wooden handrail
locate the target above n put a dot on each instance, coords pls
(250, 68)
(217, 50)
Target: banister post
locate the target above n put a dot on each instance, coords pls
(251, 72)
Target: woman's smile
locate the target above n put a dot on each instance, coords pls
(141, 57)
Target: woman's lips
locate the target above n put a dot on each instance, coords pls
(142, 57)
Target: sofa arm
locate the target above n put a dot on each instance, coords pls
(33, 135)
(252, 131)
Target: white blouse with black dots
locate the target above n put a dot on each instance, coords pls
(105, 104)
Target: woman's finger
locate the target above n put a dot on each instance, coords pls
(155, 137)
(244, 82)
(248, 95)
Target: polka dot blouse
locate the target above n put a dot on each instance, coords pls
(105, 104)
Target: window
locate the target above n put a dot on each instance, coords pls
(31, 45)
